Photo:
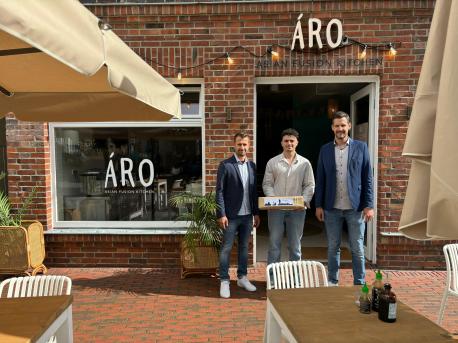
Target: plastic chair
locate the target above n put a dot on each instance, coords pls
(451, 259)
(296, 274)
(36, 286)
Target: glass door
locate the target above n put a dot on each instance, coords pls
(362, 108)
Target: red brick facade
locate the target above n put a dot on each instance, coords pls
(185, 35)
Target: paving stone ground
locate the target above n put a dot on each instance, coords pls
(147, 305)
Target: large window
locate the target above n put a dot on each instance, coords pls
(123, 175)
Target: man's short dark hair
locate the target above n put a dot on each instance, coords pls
(290, 132)
(339, 115)
(241, 134)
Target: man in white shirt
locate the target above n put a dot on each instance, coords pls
(287, 174)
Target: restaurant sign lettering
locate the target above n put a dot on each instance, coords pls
(126, 166)
(314, 29)
(320, 63)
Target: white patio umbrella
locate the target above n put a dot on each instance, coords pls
(431, 204)
(58, 62)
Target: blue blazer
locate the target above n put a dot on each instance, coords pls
(359, 180)
(229, 188)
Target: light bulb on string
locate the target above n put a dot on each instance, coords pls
(393, 51)
(363, 53)
(229, 58)
(275, 55)
(179, 74)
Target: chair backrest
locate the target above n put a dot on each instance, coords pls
(36, 286)
(451, 259)
(296, 274)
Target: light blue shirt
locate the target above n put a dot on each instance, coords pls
(245, 209)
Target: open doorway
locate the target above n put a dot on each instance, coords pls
(308, 107)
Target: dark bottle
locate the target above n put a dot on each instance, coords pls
(387, 305)
(364, 301)
(377, 288)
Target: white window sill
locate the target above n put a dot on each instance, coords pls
(114, 231)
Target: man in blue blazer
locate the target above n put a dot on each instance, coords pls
(237, 211)
(344, 193)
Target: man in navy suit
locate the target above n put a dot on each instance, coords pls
(344, 193)
(237, 211)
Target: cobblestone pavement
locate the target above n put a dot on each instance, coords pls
(147, 305)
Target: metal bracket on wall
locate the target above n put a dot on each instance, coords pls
(228, 114)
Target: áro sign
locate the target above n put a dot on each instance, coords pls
(314, 28)
(126, 172)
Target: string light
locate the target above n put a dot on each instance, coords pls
(346, 41)
(229, 58)
(393, 51)
(275, 55)
(362, 54)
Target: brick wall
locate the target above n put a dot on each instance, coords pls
(113, 250)
(29, 167)
(143, 251)
(185, 35)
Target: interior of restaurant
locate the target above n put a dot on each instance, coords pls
(84, 156)
(307, 108)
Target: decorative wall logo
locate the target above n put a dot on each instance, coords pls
(126, 166)
(314, 28)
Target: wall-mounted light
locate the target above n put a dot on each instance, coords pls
(229, 58)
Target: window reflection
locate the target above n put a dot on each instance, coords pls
(85, 192)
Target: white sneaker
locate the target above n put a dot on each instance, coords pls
(224, 290)
(332, 284)
(244, 283)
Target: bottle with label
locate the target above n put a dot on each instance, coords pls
(377, 288)
(364, 301)
(387, 305)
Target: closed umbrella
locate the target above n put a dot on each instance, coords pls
(58, 62)
(431, 204)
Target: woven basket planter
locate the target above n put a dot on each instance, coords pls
(200, 260)
(22, 249)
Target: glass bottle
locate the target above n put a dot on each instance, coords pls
(387, 305)
(377, 288)
(364, 301)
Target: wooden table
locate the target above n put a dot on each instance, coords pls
(36, 319)
(329, 314)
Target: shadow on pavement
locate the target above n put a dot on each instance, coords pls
(164, 282)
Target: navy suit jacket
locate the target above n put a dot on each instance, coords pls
(359, 181)
(229, 188)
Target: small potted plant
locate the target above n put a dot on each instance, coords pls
(203, 237)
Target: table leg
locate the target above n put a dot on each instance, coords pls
(61, 330)
(272, 330)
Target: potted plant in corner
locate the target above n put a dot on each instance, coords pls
(203, 237)
(22, 247)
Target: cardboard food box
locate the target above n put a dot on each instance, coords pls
(281, 203)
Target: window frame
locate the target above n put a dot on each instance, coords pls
(158, 227)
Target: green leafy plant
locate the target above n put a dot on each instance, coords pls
(7, 217)
(203, 226)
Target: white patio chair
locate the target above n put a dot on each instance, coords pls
(36, 286)
(451, 287)
(296, 274)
